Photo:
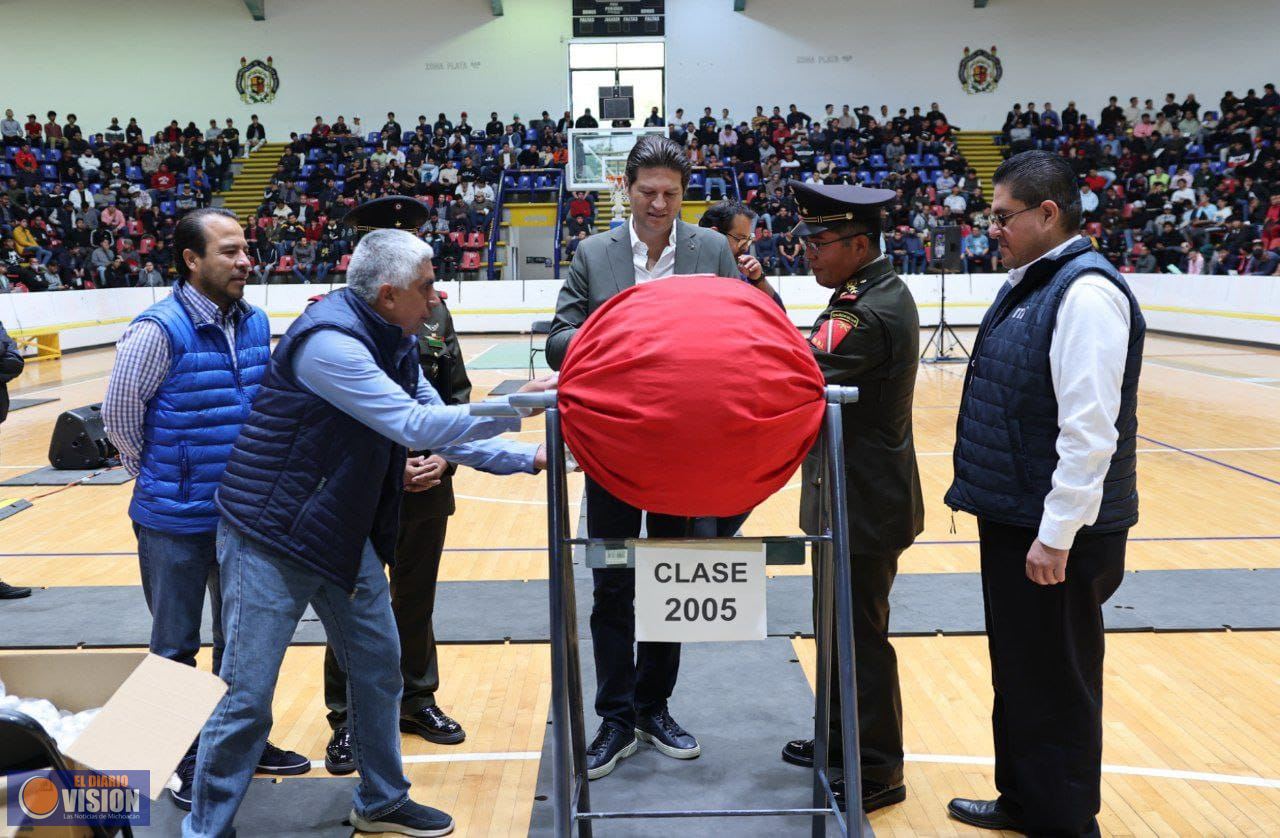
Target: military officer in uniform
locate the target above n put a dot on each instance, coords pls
(868, 337)
(424, 516)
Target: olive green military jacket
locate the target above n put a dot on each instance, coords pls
(441, 359)
(869, 337)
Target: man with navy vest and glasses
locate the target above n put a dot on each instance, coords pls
(1046, 458)
(185, 376)
(310, 507)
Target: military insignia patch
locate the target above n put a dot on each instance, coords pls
(829, 334)
(980, 71)
(256, 81)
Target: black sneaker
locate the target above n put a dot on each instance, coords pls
(433, 725)
(610, 745)
(186, 775)
(410, 819)
(8, 591)
(279, 761)
(665, 734)
(339, 758)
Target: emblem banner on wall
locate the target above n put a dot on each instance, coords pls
(980, 70)
(256, 81)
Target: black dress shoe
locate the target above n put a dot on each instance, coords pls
(800, 752)
(8, 591)
(339, 758)
(433, 725)
(610, 746)
(874, 795)
(986, 814)
(878, 795)
(279, 761)
(665, 734)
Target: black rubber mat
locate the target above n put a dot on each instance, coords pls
(50, 476)
(292, 807)
(23, 404)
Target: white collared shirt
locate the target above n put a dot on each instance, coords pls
(1087, 355)
(666, 264)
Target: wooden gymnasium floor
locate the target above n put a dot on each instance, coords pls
(1192, 740)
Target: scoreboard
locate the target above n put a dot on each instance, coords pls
(618, 18)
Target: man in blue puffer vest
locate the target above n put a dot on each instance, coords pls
(1046, 458)
(185, 376)
(310, 509)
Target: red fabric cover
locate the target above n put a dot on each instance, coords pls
(691, 395)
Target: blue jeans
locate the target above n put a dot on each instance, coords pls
(716, 181)
(264, 596)
(176, 572)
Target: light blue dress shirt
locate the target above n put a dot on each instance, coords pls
(339, 369)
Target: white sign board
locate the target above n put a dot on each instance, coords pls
(699, 592)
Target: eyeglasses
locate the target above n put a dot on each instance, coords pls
(739, 239)
(813, 246)
(1001, 220)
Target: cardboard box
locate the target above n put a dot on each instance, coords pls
(152, 708)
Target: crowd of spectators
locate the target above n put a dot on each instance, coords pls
(97, 209)
(1172, 188)
(1179, 187)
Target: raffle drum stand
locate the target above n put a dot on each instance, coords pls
(570, 792)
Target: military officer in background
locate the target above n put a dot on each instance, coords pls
(424, 519)
(868, 337)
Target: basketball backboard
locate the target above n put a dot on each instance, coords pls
(597, 153)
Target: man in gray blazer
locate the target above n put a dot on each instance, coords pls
(633, 686)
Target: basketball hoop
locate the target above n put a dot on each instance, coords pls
(618, 194)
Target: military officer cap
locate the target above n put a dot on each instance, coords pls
(395, 212)
(823, 205)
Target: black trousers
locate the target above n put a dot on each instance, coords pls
(1047, 645)
(419, 545)
(876, 669)
(633, 678)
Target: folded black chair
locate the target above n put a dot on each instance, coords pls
(26, 746)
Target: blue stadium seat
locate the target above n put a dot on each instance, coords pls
(1193, 168)
(531, 135)
(50, 185)
(913, 160)
(38, 153)
(931, 160)
(841, 161)
(698, 180)
(313, 155)
(524, 183)
(876, 161)
(406, 137)
(373, 137)
(134, 173)
(864, 178)
(6, 169)
(880, 176)
(168, 207)
(308, 170)
(95, 188)
(49, 172)
(339, 183)
(541, 183)
(340, 170)
(509, 181)
(53, 155)
(751, 180)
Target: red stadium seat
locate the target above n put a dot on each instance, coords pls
(285, 266)
(475, 241)
(341, 267)
(20, 288)
(470, 260)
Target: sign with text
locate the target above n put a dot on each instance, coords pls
(700, 591)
